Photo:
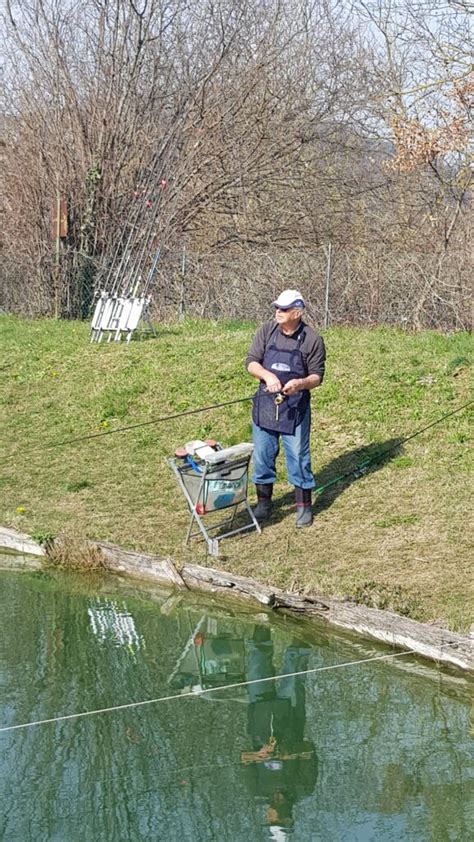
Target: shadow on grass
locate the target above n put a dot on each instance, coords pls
(349, 467)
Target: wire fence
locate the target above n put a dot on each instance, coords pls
(340, 286)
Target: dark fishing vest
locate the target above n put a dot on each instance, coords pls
(286, 365)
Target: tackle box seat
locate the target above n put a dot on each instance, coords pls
(220, 480)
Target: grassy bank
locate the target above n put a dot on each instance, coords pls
(396, 537)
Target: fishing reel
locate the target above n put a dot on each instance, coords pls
(279, 398)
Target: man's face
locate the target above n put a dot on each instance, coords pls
(287, 318)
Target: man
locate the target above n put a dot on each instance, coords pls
(281, 766)
(288, 357)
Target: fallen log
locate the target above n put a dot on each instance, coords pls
(213, 580)
(427, 640)
(11, 539)
(430, 641)
(140, 565)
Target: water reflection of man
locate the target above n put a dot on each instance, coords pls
(282, 765)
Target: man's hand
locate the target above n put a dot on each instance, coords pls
(272, 382)
(292, 387)
(268, 749)
(262, 754)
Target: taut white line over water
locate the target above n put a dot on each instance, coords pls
(209, 690)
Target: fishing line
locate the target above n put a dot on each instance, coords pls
(202, 691)
(187, 412)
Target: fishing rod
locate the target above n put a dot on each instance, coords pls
(132, 225)
(159, 159)
(136, 248)
(124, 243)
(205, 690)
(153, 269)
(147, 236)
(132, 279)
(173, 416)
(151, 273)
(126, 234)
(363, 466)
(102, 434)
(149, 231)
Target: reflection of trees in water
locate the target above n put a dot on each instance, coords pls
(389, 744)
(387, 750)
(120, 775)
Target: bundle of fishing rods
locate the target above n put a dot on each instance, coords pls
(123, 287)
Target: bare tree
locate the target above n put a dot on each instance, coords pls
(236, 127)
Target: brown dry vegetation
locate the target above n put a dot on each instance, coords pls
(276, 129)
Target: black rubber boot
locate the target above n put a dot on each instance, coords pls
(304, 509)
(264, 501)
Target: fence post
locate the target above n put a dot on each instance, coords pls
(182, 299)
(328, 253)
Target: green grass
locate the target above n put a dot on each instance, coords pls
(398, 535)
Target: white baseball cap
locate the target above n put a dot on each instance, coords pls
(289, 298)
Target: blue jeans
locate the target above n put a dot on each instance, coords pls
(297, 454)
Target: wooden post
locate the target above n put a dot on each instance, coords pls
(57, 255)
(58, 232)
(182, 300)
(328, 283)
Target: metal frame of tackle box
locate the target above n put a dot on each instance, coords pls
(211, 472)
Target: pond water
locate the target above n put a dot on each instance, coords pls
(380, 751)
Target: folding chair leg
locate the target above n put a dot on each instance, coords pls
(207, 538)
(190, 528)
(253, 518)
